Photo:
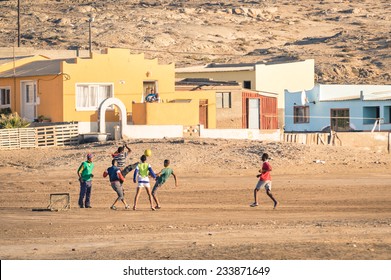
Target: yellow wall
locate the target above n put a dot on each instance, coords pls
(166, 113)
(176, 113)
(48, 91)
(125, 71)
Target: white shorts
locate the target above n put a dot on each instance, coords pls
(264, 184)
(143, 182)
(142, 185)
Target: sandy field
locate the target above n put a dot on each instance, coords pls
(334, 203)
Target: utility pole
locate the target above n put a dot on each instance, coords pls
(18, 23)
(90, 35)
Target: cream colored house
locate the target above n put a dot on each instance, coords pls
(267, 78)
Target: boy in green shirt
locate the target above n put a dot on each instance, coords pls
(85, 178)
(161, 178)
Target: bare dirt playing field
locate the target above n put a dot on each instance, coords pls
(339, 209)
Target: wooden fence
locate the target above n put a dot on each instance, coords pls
(307, 138)
(44, 136)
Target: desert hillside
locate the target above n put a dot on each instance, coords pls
(349, 40)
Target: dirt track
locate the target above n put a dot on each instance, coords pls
(337, 210)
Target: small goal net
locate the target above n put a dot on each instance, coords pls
(59, 201)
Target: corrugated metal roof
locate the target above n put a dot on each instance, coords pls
(205, 82)
(5, 60)
(36, 68)
(217, 68)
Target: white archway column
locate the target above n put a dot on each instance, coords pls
(102, 114)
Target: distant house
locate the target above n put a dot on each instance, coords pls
(339, 108)
(73, 90)
(236, 107)
(260, 77)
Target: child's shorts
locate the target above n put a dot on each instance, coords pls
(143, 185)
(117, 187)
(264, 184)
(156, 187)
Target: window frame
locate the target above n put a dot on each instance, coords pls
(305, 118)
(93, 85)
(337, 119)
(5, 88)
(247, 84)
(370, 110)
(222, 105)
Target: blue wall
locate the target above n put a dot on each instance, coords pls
(320, 111)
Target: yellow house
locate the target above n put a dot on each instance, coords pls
(73, 90)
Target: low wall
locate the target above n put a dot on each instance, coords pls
(374, 141)
(153, 131)
(250, 134)
(377, 141)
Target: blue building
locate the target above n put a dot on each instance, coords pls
(339, 107)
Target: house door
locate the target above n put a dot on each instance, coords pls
(203, 109)
(29, 100)
(253, 113)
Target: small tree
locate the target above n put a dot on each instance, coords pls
(13, 121)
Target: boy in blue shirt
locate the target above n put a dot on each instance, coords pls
(116, 179)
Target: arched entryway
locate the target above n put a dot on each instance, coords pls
(102, 114)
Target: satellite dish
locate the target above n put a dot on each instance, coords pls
(304, 99)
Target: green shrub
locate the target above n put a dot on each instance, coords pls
(13, 121)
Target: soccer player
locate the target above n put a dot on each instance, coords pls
(161, 178)
(141, 173)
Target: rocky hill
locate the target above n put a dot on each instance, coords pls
(349, 40)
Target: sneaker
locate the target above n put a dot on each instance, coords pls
(254, 204)
(81, 206)
(127, 206)
(113, 208)
(153, 208)
(157, 207)
(89, 206)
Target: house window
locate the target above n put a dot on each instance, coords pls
(247, 84)
(340, 119)
(5, 98)
(301, 114)
(90, 96)
(387, 114)
(371, 114)
(223, 100)
(149, 87)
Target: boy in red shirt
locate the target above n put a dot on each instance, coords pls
(265, 181)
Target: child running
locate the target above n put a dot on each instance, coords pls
(264, 181)
(116, 177)
(141, 173)
(161, 178)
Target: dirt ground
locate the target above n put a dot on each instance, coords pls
(334, 203)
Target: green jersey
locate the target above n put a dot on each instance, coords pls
(165, 173)
(86, 170)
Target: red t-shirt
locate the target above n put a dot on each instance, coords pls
(266, 176)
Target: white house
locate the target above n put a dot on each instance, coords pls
(339, 107)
